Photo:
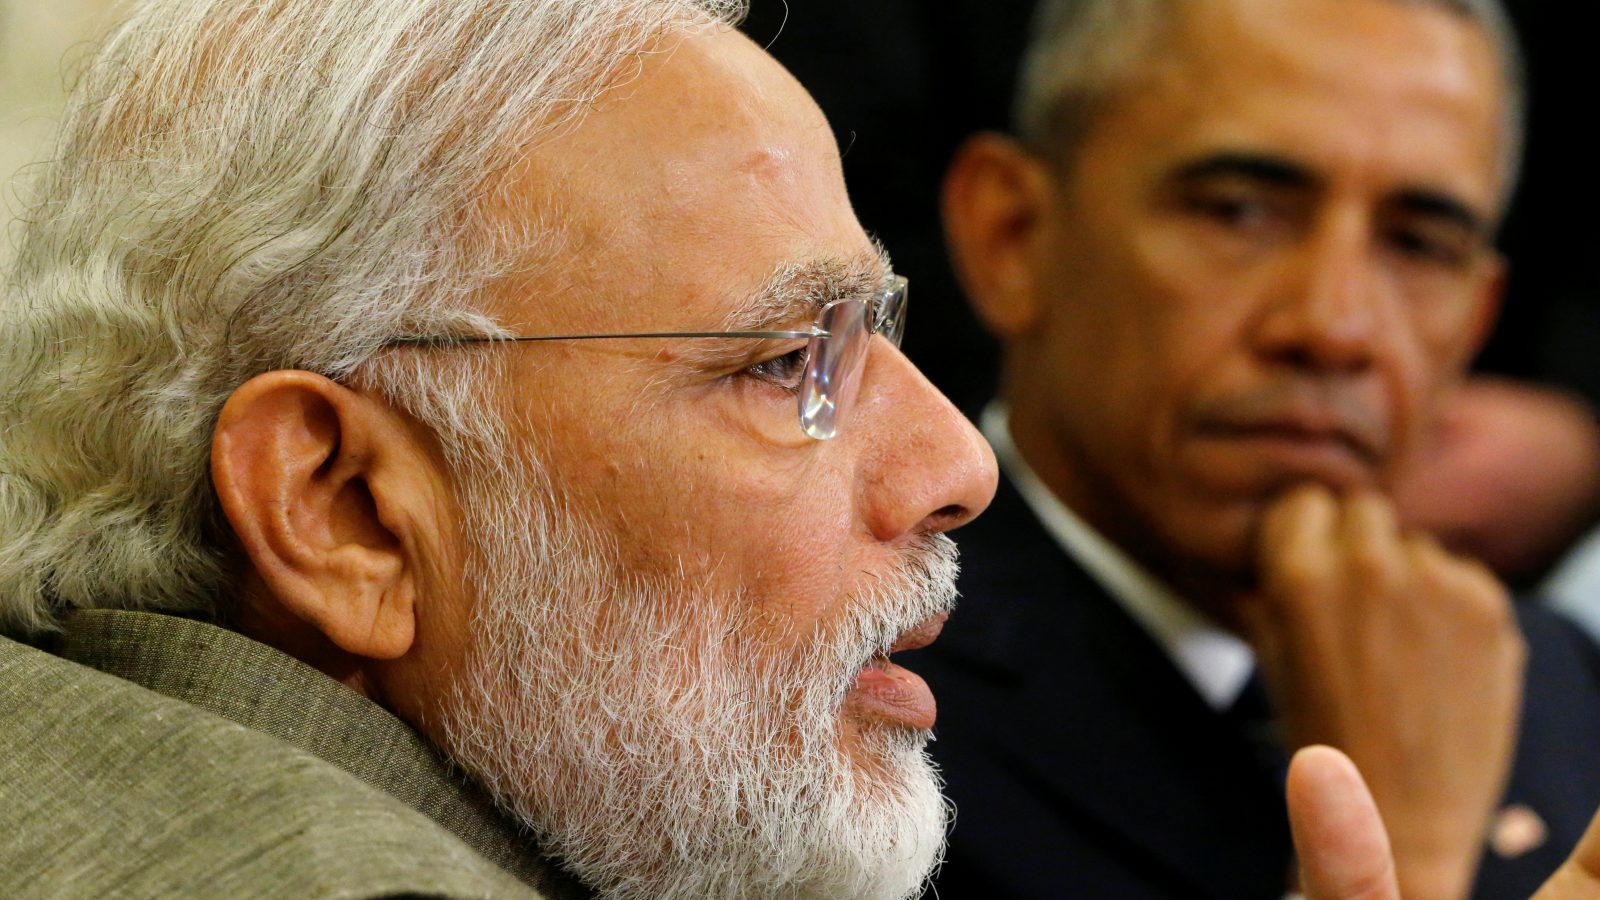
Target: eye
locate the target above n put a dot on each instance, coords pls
(1232, 210)
(1437, 246)
(785, 371)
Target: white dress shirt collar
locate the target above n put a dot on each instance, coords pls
(1214, 660)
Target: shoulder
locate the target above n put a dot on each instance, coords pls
(1561, 655)
(110, 788)
(1554, 777)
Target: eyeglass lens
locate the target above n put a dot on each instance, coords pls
(833, 367)
(892, 313)
(836, 358)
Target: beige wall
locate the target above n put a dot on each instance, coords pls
(40, 41)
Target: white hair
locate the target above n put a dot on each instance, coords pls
(1082, 52)
(664, 740)
(244, 187)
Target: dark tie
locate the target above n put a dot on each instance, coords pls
(1251, 718)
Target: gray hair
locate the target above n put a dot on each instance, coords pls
(244, 187)
(1083, 51)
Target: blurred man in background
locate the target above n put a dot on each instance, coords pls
(1516, 462)
(1239, 257)
(1512, 476)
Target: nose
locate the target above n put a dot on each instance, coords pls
(1324, 312)
(925, 468)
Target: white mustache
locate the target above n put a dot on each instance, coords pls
(921, 586)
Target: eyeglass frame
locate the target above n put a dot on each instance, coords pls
(887, 318)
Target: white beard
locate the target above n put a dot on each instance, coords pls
(659, 744)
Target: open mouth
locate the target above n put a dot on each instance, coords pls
(892, 693)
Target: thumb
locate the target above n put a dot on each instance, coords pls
(1579, 878)
(1338, 835)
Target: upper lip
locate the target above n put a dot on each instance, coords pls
(921, 635)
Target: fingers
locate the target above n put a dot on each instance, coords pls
(1297, 542)
(1298, 565)
(1338, 834)
(1579, 878)
(1407, 659)
(1471, 581)
(1317, 548)
(1377, 557)
(1311, 540)
(1587, 857)
(1323, 561)
(1484, 623)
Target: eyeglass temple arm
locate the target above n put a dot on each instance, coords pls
(487, 339)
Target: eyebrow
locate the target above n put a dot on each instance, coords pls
(1276, 172)
(797, 291)
(1251, 166)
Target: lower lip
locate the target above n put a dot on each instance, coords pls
(890, 693)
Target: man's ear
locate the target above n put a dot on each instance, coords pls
(318, 483)
(995, 198)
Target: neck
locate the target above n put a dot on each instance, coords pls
(1064, 468)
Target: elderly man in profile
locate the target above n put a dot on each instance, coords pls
(475, 387)
(1236, 256)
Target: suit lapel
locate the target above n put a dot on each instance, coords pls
(1106, 723)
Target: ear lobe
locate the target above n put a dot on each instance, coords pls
(994, 199)
(298, 462)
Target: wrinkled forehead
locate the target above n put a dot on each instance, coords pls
(689, 188)
(1411, 91)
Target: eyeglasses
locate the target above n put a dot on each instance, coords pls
(835, 356)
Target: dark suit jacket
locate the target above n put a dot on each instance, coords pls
(1083, 764)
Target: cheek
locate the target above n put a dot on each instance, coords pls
(694, 500)
(709, 511)
(1140, 336)
(784, 536)
(1423, 368)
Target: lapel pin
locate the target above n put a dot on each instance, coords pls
(1516, 830)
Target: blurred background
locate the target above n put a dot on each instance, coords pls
(39, 41)
(905, 81)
